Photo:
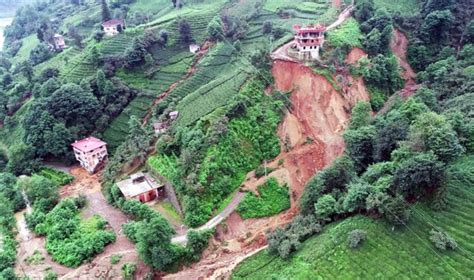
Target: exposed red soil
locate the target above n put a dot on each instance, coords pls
(399, 45)
(336, 3)
(355, 55)
(313, 127)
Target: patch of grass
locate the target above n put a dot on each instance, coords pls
(405, 7)
(60, 178)
(404, 250)
(115, 259)
(35, 259)
(272, 200)
(29, 43)
(171, 210)
(347, 34)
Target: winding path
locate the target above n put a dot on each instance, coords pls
(182, 239)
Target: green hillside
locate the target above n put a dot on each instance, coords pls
(402, 253)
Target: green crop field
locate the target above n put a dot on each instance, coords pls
(348, 34)
(403, 253)
(405, 7)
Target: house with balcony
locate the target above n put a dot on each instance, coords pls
(91, 153)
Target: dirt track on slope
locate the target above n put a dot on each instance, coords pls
(399, 46)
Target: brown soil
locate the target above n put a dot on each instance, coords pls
(355, 55)
(313, 127)
(336, 3)
(399, 45)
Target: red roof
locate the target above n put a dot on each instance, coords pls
(113, 22)
(88, 144)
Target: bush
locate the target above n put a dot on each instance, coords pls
(284, 241)
(355, 238)
(115, 259)
(129, 270)
(197, 243)
(442, 240)
(272, 200)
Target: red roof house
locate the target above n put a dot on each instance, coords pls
(91, 153)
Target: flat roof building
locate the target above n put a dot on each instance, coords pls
(142, 187)
(91, 153)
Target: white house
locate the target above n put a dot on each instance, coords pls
(91, 153)
(194, 48)
(113, 27)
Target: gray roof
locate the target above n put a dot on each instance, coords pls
(132, 189)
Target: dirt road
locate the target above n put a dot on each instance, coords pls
(182, 239)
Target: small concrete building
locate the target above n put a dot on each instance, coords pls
(58, 41)
(194, 48)
(142, 187)
(113, 27)
(160, 127)
(91, 153)
(174, 115)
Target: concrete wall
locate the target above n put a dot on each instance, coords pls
(169, 189)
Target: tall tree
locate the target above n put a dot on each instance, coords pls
(105, 11)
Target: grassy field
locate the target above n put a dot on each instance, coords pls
(348, 34)
(405, 7)
(272, 199)
(404, 253)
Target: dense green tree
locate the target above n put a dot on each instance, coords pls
(418, 174)
(105, 11)
(214, 28)
(46, 134)
(185, 35)
(436, 26)
(355, 199)
(396, 211)
(325, 207)
(27, 70)
(22, 159)
(391, 129)
(73, 105)
(334, 177)
(40, 54)
(361, 115)
(384, 73)
(432, 132)
(9, 189)
(154, 243)
(364, 10)
(40, 189)
(360, 146)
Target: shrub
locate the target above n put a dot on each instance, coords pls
(355, 238)
(115, 259)
(272, 200)
(442, 240)
(50, 275)
(197, 243)
(129, 270)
